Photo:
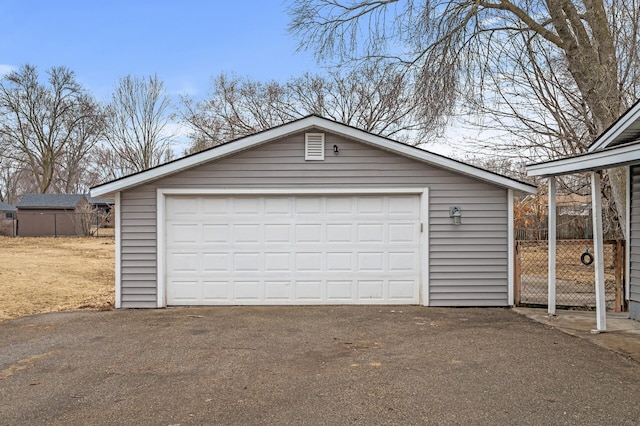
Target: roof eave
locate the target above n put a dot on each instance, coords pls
(609, 136)
(298, 126)
(198, 159)
(598, 160)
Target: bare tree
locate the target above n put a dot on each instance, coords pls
(40, 123)
(557, 72)
(15, 180)
(374, 97)
(137, 123)
(105, 165)
(71, 176)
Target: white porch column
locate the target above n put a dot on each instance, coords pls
(551, 215)
(598, 253)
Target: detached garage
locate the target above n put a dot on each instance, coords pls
(314, 212)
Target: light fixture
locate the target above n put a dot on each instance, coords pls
(456, 214)
(335, 149)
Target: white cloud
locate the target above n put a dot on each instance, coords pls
(6, 69)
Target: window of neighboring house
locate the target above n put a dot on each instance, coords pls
(8, 215)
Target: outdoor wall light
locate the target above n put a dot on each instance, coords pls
(456, 214)
(335, 149)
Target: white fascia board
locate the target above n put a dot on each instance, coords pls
(201, 158)
(288, 191)
(614, 157)
(298, 126)
(618, 127)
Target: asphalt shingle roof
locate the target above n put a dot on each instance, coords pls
(4, 207)
(97, 200)
(52, 201)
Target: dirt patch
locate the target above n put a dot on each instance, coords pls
(55, 274)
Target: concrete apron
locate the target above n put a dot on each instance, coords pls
(622, 335)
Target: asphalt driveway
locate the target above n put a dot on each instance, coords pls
(307, 365)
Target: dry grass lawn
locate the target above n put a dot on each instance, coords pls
(55, 274)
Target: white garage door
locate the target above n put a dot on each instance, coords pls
(289, 250)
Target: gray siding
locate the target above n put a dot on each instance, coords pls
(468, 263)
(634, 239)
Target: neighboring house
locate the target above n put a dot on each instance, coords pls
(51, 215)
(7, 219)
(104, 205)
(314, 212)
(103, 209)
(618, 146)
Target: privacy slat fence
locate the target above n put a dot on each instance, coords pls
(575, 281)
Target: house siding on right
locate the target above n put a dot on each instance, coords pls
(634, 245)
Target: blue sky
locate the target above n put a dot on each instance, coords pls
(184, 42)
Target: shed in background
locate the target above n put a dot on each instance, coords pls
(7, 219)
(42, 215)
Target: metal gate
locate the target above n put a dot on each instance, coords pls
(575, 281)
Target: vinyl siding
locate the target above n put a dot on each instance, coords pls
(634, 240)
(468, 263)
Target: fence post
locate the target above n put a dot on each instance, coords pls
(618, 274)
(517, 272)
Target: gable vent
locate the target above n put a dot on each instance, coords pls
(314, 146)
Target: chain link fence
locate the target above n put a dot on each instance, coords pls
(96, 223)
(575, 281)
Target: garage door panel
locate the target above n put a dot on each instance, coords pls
(185, 292)
(403, 205)
(402, 233)
(186, 208)
(309, 233)
(277, 262)
(246, 206)
(218, 206)
(402, 290)
(180, 262)
(308, 206)
(216, 233)
(309, 290)
(403, 262)
(371, 205)
(249, 290)
(275, 233)
(216, 262)
(180, 233)
(373, 261)
(308, 262)
(339, 233)
(339, 206)
(370, 290)
(277, 206)
(340, 290)
(216, 291)
(247, 234)
(340, 262)
(246, 262)
(292, 250)
(278, 291)
(371, 233)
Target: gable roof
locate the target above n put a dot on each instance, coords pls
(4, 207)
(50, 201)
(624, 129)
(300, 125)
